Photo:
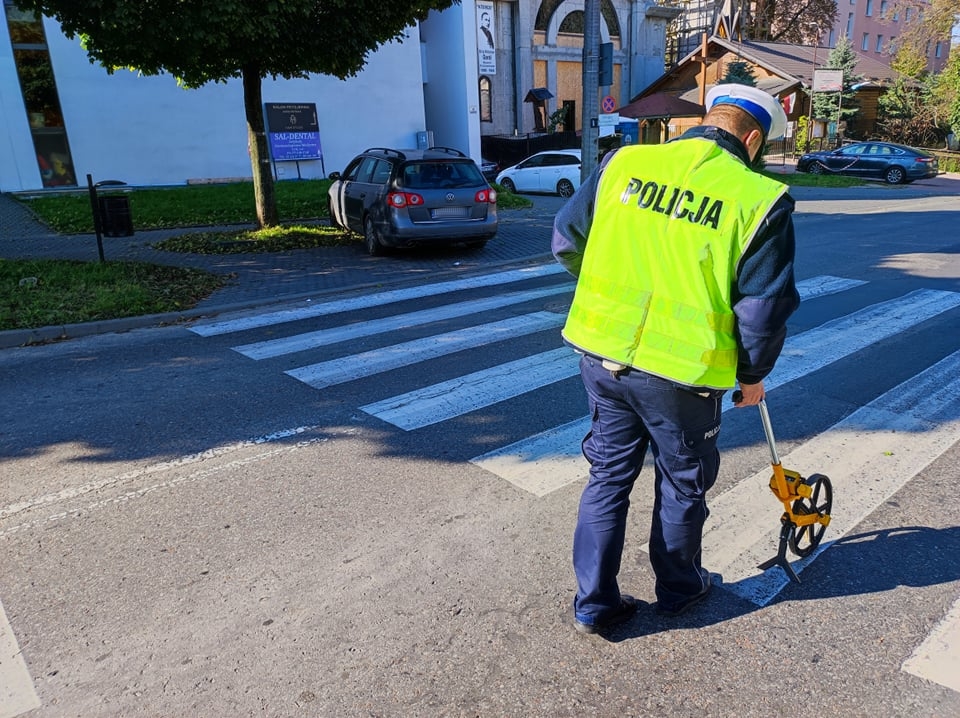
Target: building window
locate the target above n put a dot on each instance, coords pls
(41, 101)
(832, 38)
(869, 10)
(926, 50)
(865, 45)
(937, 52)
(486, 106)
(850, 25)
(906, 15)
(879, 43)
(883, 8)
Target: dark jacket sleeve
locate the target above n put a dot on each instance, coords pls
(765, 294)
(571, 226)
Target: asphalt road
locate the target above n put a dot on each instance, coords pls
(362, 505)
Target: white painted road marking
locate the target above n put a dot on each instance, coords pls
(558, 450)
(448, 399)
(937, 659)
(17, 694)
(318, 309)
(825, 284)
(350, 332)
(212, 453)
(868, 457)
(375, 361)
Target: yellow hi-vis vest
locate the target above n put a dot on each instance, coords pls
(670, 226)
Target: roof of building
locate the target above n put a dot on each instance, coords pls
(791, 65)
(661, 105)
(799, 61)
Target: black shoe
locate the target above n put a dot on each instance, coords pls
(622, 614)
(681, 608)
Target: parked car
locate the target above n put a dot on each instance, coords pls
(489, 169)
(551, 171)
(405, 198)
(892, 163)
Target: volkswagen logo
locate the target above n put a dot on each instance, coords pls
(450, 197)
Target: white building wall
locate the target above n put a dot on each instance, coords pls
(149, 131)
(451, 93)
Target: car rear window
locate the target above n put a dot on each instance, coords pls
(431, 174)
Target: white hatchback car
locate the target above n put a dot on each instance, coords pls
(551, 171)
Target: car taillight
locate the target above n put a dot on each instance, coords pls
(486, 195)
(404, 199)
(926, 160)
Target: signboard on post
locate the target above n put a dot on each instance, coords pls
(608, 123)
(293, 132)
(827, 80)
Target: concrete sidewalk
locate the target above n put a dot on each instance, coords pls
(258, 279)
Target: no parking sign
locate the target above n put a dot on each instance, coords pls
(608, 104)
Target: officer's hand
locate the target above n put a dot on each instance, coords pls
(749, 395)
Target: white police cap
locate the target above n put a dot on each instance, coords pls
(760, 105)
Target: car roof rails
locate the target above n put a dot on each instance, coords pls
(448, 150)
(397, 153)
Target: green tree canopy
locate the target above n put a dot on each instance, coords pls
(198, 41)
(906, 114)
(944, 95)
(741, 73)
(923, 24)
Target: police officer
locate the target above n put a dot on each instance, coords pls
(684, 264)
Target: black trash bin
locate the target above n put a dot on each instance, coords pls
(115, 217)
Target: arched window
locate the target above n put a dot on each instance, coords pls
(549, 7)
(486, 104)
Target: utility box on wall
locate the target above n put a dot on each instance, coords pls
(425, 139)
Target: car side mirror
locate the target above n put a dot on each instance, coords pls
(334, 176)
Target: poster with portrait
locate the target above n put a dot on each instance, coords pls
(486, 39)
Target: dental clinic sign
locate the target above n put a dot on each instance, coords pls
(293, 132)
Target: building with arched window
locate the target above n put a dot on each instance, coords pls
(536, 67)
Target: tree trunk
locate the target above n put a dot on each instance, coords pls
(263, 189)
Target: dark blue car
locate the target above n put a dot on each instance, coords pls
(890, 162)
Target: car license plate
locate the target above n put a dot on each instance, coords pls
(450, 213)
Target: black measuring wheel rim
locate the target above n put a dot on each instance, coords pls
(803, 540)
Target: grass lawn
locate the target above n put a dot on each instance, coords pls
(39, 293)
(201, 205)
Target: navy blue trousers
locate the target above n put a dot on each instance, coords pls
(630, 413)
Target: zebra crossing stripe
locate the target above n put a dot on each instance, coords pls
(17, 694)
(350, 332)
(448, 399)
(542, 463)
(318, 309)
(868, 456)
(825, 284)
(937, 659)
(558, 450)
(375, 361)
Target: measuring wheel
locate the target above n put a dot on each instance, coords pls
(804, 540)
(806, 504)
